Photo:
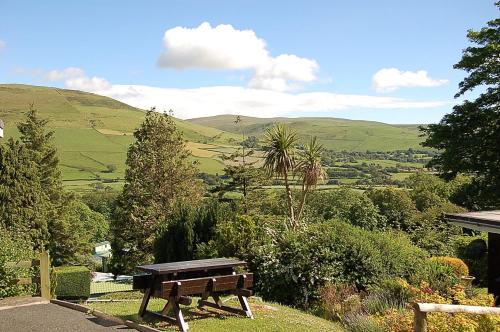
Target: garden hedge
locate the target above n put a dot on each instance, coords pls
(72, 282)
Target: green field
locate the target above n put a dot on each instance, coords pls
(93, 131)
(335, 134)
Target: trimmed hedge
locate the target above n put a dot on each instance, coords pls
(72, 282)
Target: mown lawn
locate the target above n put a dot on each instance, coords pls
(268, 316)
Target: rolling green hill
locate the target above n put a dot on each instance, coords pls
(335, 134)
(93, 131)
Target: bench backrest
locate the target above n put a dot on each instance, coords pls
(208, 284)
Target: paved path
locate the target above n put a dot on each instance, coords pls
(52, 318)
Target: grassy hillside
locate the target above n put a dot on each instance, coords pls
(93, 131)
(336, 134)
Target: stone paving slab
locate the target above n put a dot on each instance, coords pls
(53, 318)
(12, 302)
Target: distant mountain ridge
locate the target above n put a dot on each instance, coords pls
(92, 131)
(334, 133)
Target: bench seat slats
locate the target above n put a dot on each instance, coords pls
(203, 285)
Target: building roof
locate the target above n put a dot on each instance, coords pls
(486, 221)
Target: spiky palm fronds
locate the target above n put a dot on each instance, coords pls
(279, 158)
(309, 169)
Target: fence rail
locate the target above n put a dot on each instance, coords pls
(421, 310)
(44, 277)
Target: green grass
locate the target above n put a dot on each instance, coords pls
(268, 316)
(93, 131)
(335, 134)
(109, 286)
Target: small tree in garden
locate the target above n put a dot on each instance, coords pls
(244, 176)
(159, 175)
(310, 169)
(279, 158)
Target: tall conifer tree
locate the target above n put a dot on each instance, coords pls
(22, 201)
(159, 175)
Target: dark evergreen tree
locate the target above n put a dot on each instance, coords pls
(37, 138)
(23, 202)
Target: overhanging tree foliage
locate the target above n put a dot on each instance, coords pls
(469, 137)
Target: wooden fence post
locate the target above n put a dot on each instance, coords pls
(419, 320)
(45, 275)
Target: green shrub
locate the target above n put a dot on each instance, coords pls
(233, 238)
(189, 227)
(473, 250)
(440, 277)
(331, 251)
(72, 282)
(458, 265)
(13, 248)
(389, 293)
(347, 205)
(338, 301)
(361, 323)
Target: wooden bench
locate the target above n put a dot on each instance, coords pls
(178, 292)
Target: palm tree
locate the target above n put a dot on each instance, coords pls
(279, 158)
(309, 169)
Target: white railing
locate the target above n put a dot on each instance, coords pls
(421, 310)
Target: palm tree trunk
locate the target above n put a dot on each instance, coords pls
(289, 199)
(302, 201)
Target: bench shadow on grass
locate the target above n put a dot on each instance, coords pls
(191, 314)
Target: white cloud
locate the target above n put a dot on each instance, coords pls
(73, 78)
(61, 75)
(224, 47)
(208, 101)
(92, 84)
(2, 45)
(391, 79)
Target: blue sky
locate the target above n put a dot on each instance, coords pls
(233, 63)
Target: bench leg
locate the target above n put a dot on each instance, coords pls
(167, 307)
(245, 306)
(217, 300)
(145, 301)
(180, 319)
(204, 297)
(147, 295)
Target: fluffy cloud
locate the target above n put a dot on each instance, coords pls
(73, 78)
(391, 79)
(208, 101)
(224, 47)
(2, 45)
